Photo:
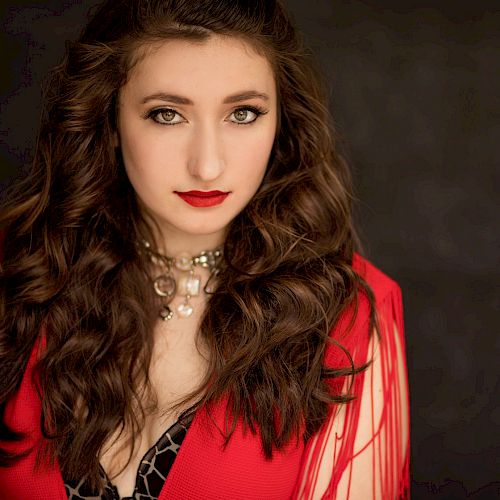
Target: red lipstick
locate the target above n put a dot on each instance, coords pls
(203, 199)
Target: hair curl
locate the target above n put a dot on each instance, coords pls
(71, 268)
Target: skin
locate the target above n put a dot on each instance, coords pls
(206, 149)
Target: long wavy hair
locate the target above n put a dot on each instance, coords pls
(72, 272)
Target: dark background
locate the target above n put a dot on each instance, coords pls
(415, 90)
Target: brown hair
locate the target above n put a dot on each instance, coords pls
(71, 264)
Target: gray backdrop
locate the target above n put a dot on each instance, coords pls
(415, 92)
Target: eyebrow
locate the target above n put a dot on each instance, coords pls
(178, 99)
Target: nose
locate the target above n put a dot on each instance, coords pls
(206, 160)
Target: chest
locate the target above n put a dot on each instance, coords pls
(179, 362)
(204, 462)
(178, 367)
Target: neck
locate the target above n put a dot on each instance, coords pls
(175, 243)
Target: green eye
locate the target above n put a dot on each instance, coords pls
(241, 114)
(246, 116)
(165, 116)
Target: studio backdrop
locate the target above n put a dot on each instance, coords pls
(414, 91)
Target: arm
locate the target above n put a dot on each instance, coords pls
(381, 442)
(362, 453)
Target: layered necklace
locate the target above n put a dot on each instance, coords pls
(188, 285)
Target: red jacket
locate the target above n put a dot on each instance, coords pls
(202, 469)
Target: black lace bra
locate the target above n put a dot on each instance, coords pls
(151, 473)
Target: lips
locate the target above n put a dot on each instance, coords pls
(203, 199)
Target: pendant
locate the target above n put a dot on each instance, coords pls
(210, 285)
(185, 310)
(190, 285)
(166, 313)
(165, 285)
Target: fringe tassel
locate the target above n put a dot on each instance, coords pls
(332, 458)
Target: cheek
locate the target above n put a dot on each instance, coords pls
(146, 157)
(251, 156)
(133, 149)
(142, 167)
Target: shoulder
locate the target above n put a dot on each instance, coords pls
(352, 328)
(384, 289)
(380, 283)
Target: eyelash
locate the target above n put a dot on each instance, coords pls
(258, 111)
(153, 114)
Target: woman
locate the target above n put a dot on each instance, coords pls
(183, 311)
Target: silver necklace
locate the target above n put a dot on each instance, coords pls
(188, 285)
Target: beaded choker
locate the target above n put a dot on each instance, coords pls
(188, 285)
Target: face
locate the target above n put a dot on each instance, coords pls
(196, 125)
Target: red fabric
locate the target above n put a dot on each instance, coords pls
(202, 469)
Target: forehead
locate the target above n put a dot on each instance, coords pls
(211, 68)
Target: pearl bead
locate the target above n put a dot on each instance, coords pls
(185, 310)
(183, 262)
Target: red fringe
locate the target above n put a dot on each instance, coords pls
(389, 445)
